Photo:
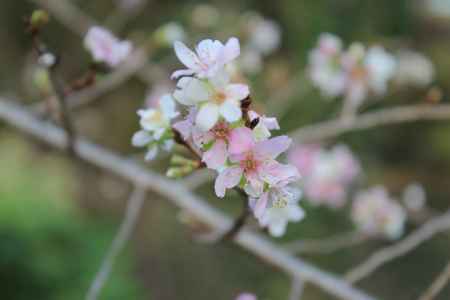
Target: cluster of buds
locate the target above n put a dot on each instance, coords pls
(376, 214)
(353, 73)
(327, 174)
(218, 126)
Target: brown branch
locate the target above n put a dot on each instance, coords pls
(387, 254)
(19, 117)
(240, 221)
(438, 284)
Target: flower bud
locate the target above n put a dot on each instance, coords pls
(39, 18)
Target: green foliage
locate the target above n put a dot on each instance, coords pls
(47, 249)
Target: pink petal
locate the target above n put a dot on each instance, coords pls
(275, 173)
(227, 179)
(273, 147)
(216, 157)
(240, 140)
(260, 206)
(184, 127)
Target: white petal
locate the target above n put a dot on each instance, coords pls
(186, 56)
(185, 72)
(221, 79)
(237, 91)
(207, 116)
(152, 152)
(141, 138)
(232, 49)
(277, 228)
(231, 111)
(168, 106)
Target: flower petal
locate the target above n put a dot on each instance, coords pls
(186, 56)
(275, 173)
(207, 116)
(141, 138)
(237, 91)
(216, 157)
(227, 179)
(273, 147)
(151, 153)
(231, 111)
(179, 73)
(261, 205)
(240, 140)
(168, 106)
(232, 49)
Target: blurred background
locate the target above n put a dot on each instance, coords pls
(57, 217)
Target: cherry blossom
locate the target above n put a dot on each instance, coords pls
(209, 58)
(264, 34)
(256, 162)
(264, 126)
(216, 98)
(155, 124)
(414, 69)
(105, 47)
(327, 174)
(277, 206)
(368, 71)
(325, 66)
(375, 213)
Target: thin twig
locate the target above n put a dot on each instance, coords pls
(438, 284)
(181, 196)
(396, 115)
(239, 223)
(297, 287)
(326, 245)
(134, 206)
(387, 254)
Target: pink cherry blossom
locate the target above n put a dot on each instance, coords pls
(375, 213)
(246, 296)
(209, 58)
(256, 162)
(327, 174)
(105, 47)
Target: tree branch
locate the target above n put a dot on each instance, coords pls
(134, 206)
(438, 284)
(20, 118)
(387, 254)
(403, 114)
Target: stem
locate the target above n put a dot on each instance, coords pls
(240, 221)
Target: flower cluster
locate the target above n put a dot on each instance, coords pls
(353, 73)
(375, 213)
(156, 127)
(327, 174)
(105, 47)
(228, 137)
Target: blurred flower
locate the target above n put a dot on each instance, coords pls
(414, 197)
(325, 66)
(156, 130)
(367, 71)
(264, 35)
(250, 61)
(105, 47)
(209, 59)
(414, 69)
(246, 296)
(215, 98)
(327, 174)
(375, 213)
(156, 92)
(168, 33)
(277, 206)
(47, 60)
(205, 16)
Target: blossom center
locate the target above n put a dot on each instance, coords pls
(219, 97)
(249, 164)
(280, 203)
(221, 130)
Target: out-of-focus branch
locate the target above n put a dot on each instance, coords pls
(387, 254)
(403, 114)
(438, 284)
(134, 206)
(239, 223)
(20, 118)
(68, 14)
(326, 245)
(297, 287)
